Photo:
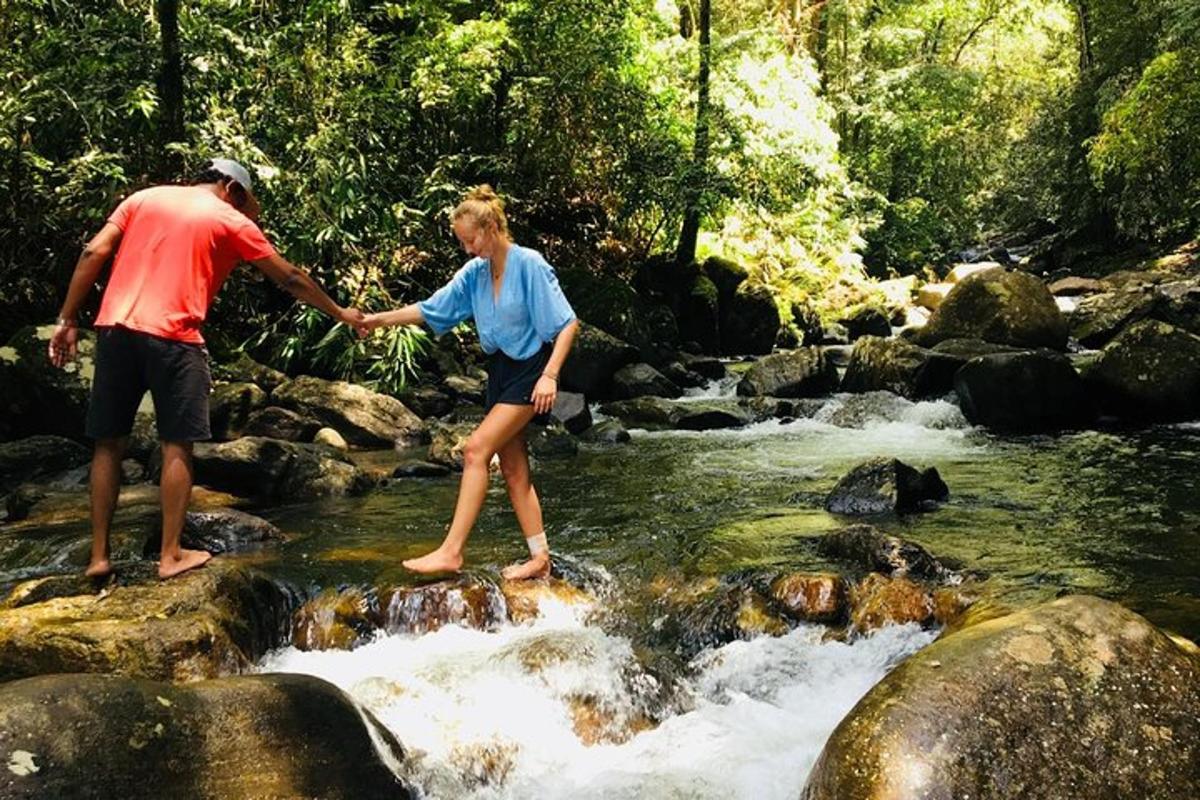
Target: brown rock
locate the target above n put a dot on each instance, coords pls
(878, 600)
(811, 597)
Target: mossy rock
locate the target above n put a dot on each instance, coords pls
(1011, 308)
(1150, 373)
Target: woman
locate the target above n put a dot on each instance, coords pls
(527, 327)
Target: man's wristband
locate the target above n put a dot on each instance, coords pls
(63, 322)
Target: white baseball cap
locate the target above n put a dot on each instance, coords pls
(232, 169)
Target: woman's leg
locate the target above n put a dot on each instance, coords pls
(502, 423)
(514, 464)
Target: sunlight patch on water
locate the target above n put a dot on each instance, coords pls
(497, 714)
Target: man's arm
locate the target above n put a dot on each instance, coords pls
(300, 285)
(87, 270)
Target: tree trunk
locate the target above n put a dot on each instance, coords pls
(694, 189)
(170, 82)
(1083, 31)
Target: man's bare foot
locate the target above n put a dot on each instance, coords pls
(536, 567)
(437, 561)
(188, 559)
(98, 569)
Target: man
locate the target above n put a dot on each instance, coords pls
(174, 245)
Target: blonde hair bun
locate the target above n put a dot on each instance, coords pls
(484, 207)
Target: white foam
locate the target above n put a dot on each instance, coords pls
(479, 722)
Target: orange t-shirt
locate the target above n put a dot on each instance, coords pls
(178, 245)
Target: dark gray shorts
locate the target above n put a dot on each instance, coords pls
(128, 363)
(512, 381)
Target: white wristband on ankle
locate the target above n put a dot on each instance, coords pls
(537, 544)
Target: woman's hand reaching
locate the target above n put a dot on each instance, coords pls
(544, 394)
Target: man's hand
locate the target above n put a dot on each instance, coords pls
(63, 345)
(544, 394)
(351, 316)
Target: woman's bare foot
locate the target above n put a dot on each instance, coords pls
(188, 559)
(536, 567)
(437, 561)
(98, 569)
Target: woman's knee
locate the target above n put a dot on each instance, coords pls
(476, 452)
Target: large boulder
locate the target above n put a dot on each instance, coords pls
(806, 372)
(230, 407)
(257, 466)
(1011, 308)
(210, 622)
(1099, 318)
(639, 380)
(749, 321)
(897, 366)
(219, 530)
(886, 486)
(38, 457)
(726, 276)
(35, 396)
(1074, 698)
(1150, 373)
(364, 417)
(1027, 392)
(594, 359)
(274, 735)
(698, 311)
(244, 369)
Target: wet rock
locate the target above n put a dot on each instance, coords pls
(131, 472)
(811, 597)
(1011, 308)
(951, 603)
(526, 599)
(330, 438)
(571, 409)
(218, 530)
(35, 397)
(878, 600)
(1150, 373)
(1030, 392)
(640, 380)
(214, 621)
(427, 401)
(36, 457)
(650, 412)
(335, 620)
(873, 550)
(462, 601)
(610, 431)
(681, 376)
(230, 406)
(257, 466)
(960, 351)
(710, 612)
(806, 372)
(886, 485)
(1075, 698)
(275, 422)
(594, 359)
(365, 418)
(749, 321)
(642, 412)
(897, 366)
(596, 722)
(251, 736)
(867, 321)
(551, 441)
(246, 370)
(421, 469)
(447, 441)
(1099, 318)
(707, 366)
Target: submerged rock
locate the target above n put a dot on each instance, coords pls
(335, 620)
(462, 601)
(875, 551)
(886, 485)
(1027, 392)
(1074, 698)
(252, 736)
(218, 530)
(525, 599)
(1011, 308)
(1150, 373)
(806, 372)
(364, 417)
(213, 621)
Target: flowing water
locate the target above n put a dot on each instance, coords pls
(625, 697)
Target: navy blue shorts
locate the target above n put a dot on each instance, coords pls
(511, 380)
(130, 362)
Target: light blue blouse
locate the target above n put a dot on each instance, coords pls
(530, 311)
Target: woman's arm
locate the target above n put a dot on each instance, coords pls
(407, 315)
(546, 390)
